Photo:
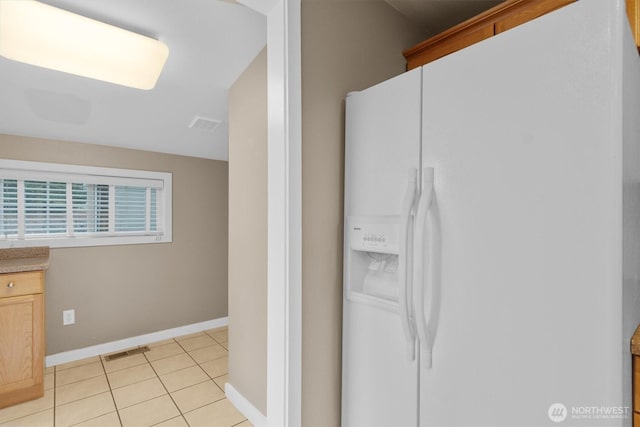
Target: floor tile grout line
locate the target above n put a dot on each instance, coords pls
(128, 367)
(82, 398)
(169, 394)
(147, 359)
(111, 392)
(85, 363)
(93, 418)
(200, 407)
(160, 358)
(222, 343)
(210, 379)
(200, 348)
(4, 422)
(146, 362)
(75, 382)
(179, 416)
(215, 341)
(155, 397)
(214, 378)
(56, 371)
(121, 369)
(198, 364)
(220, 329)
(127, 385)
(184, 388)
(101, 359)
(85, 396)
(193, 335)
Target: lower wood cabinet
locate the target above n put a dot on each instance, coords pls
(21, 337)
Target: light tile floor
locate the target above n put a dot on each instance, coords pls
(179, 382)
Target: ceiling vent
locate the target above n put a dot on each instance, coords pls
(204, 123)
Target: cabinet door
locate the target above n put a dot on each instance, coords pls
(529, 11)
(450, 44)
(21, 348)
(636, 383)
(633, 12)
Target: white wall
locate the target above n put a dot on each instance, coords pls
(346, 46)
(248, 233)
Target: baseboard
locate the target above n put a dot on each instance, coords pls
(111, 347)
(244, 406)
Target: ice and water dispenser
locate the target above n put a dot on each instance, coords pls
(373, 257)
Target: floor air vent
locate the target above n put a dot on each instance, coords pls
(126, 353)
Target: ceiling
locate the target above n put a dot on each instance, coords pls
(210, 43)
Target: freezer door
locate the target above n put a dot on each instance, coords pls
(382, 142)
(523, 133)
(380, 379)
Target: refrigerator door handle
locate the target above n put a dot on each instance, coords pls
(403, 265)
(422, 257)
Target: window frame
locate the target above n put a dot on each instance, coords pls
(68, 172)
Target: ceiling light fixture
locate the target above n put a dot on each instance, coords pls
(42, 35)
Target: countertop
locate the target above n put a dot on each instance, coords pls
(24, 259)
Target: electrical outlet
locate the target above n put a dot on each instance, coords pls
(68, 317)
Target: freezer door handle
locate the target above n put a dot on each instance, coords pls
(424, 260)
(405, 251)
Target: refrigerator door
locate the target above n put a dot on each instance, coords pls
(382, 154)
(522, 132)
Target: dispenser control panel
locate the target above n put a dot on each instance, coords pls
(375, 235)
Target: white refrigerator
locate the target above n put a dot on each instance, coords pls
(492, 232)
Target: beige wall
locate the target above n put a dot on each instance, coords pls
(347, 45)
(248, 233)
(124, 291)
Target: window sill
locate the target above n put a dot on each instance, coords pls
(79, 242)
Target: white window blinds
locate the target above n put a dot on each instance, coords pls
(48, 204)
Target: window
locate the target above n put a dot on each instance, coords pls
(65, 205)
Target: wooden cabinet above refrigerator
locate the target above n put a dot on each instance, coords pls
(500, 18)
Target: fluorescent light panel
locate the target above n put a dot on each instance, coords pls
(45, 36)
